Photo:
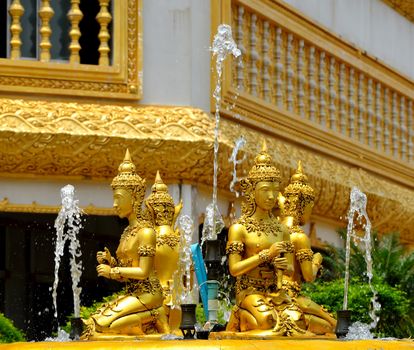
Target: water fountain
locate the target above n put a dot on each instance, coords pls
(69, 216)
(223, 45)
(183, 279)
(358, 213)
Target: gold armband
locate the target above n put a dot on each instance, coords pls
(264, 256)
(115, 274)
(304, 255)
(146, 250)
(235, 248)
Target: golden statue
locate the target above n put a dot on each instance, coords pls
(163, 214)
(138, 310)
(260, 253)
(296, 207)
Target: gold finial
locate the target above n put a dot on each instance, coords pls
(299, 176)
(159, 185)
(299, 170)
(127, 177)
(264, 146)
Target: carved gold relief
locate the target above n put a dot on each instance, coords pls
(89, 140)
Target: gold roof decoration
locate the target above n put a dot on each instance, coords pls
(263, 168)
(299, 184)
(127, 177)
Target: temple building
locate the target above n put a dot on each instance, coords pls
(330, 83)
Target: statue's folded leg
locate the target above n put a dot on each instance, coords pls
(256, 313)
(310, 307)
(127, 312)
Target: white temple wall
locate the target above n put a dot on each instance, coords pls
(176, 69)
(369, 24)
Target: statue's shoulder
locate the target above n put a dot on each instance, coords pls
(300, 239)
(237, 230)
(146, 233)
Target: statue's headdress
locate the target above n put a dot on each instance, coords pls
(299, 185)
(160, 196)
(297, 195)
(263, 169)
(128, 179)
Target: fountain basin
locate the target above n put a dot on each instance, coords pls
(225, 344)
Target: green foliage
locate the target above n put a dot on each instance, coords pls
(394, 314)
(393, 270)
(8, 332)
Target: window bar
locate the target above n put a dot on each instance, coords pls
(75, 15)
(104, 18)
(16, 11)
(45, 14)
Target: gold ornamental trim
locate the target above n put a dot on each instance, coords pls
(34, 207)
(84, 140)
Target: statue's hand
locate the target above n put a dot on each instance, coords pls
(317, 259)
(280, 263)
(104, 257)
(103, 270)
(276, 249)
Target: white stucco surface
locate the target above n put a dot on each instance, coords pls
(176, 39)
(369, 24)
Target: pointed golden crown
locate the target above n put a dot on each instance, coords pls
(299, 184)
(127, 177)
(263, 169)
(159, 192)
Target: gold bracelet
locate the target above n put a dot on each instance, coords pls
(264, 256)
(115, 274)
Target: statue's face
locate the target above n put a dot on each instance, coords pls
(265, 194)
(123, 203)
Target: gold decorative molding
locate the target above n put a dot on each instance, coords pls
(403, 7)
(122, 79)
(83, 140)
(6, 206)
(308, 86)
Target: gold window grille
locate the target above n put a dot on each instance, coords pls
(115, 74)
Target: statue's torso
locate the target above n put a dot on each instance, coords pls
(127, 252)
(259, 235)
(167, 254)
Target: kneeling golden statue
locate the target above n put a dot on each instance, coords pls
(260, 252)
(138, 310)
(163, 214)
(296, 207)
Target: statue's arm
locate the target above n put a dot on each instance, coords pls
(309, 263)
(289, 252)
(146, 253)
